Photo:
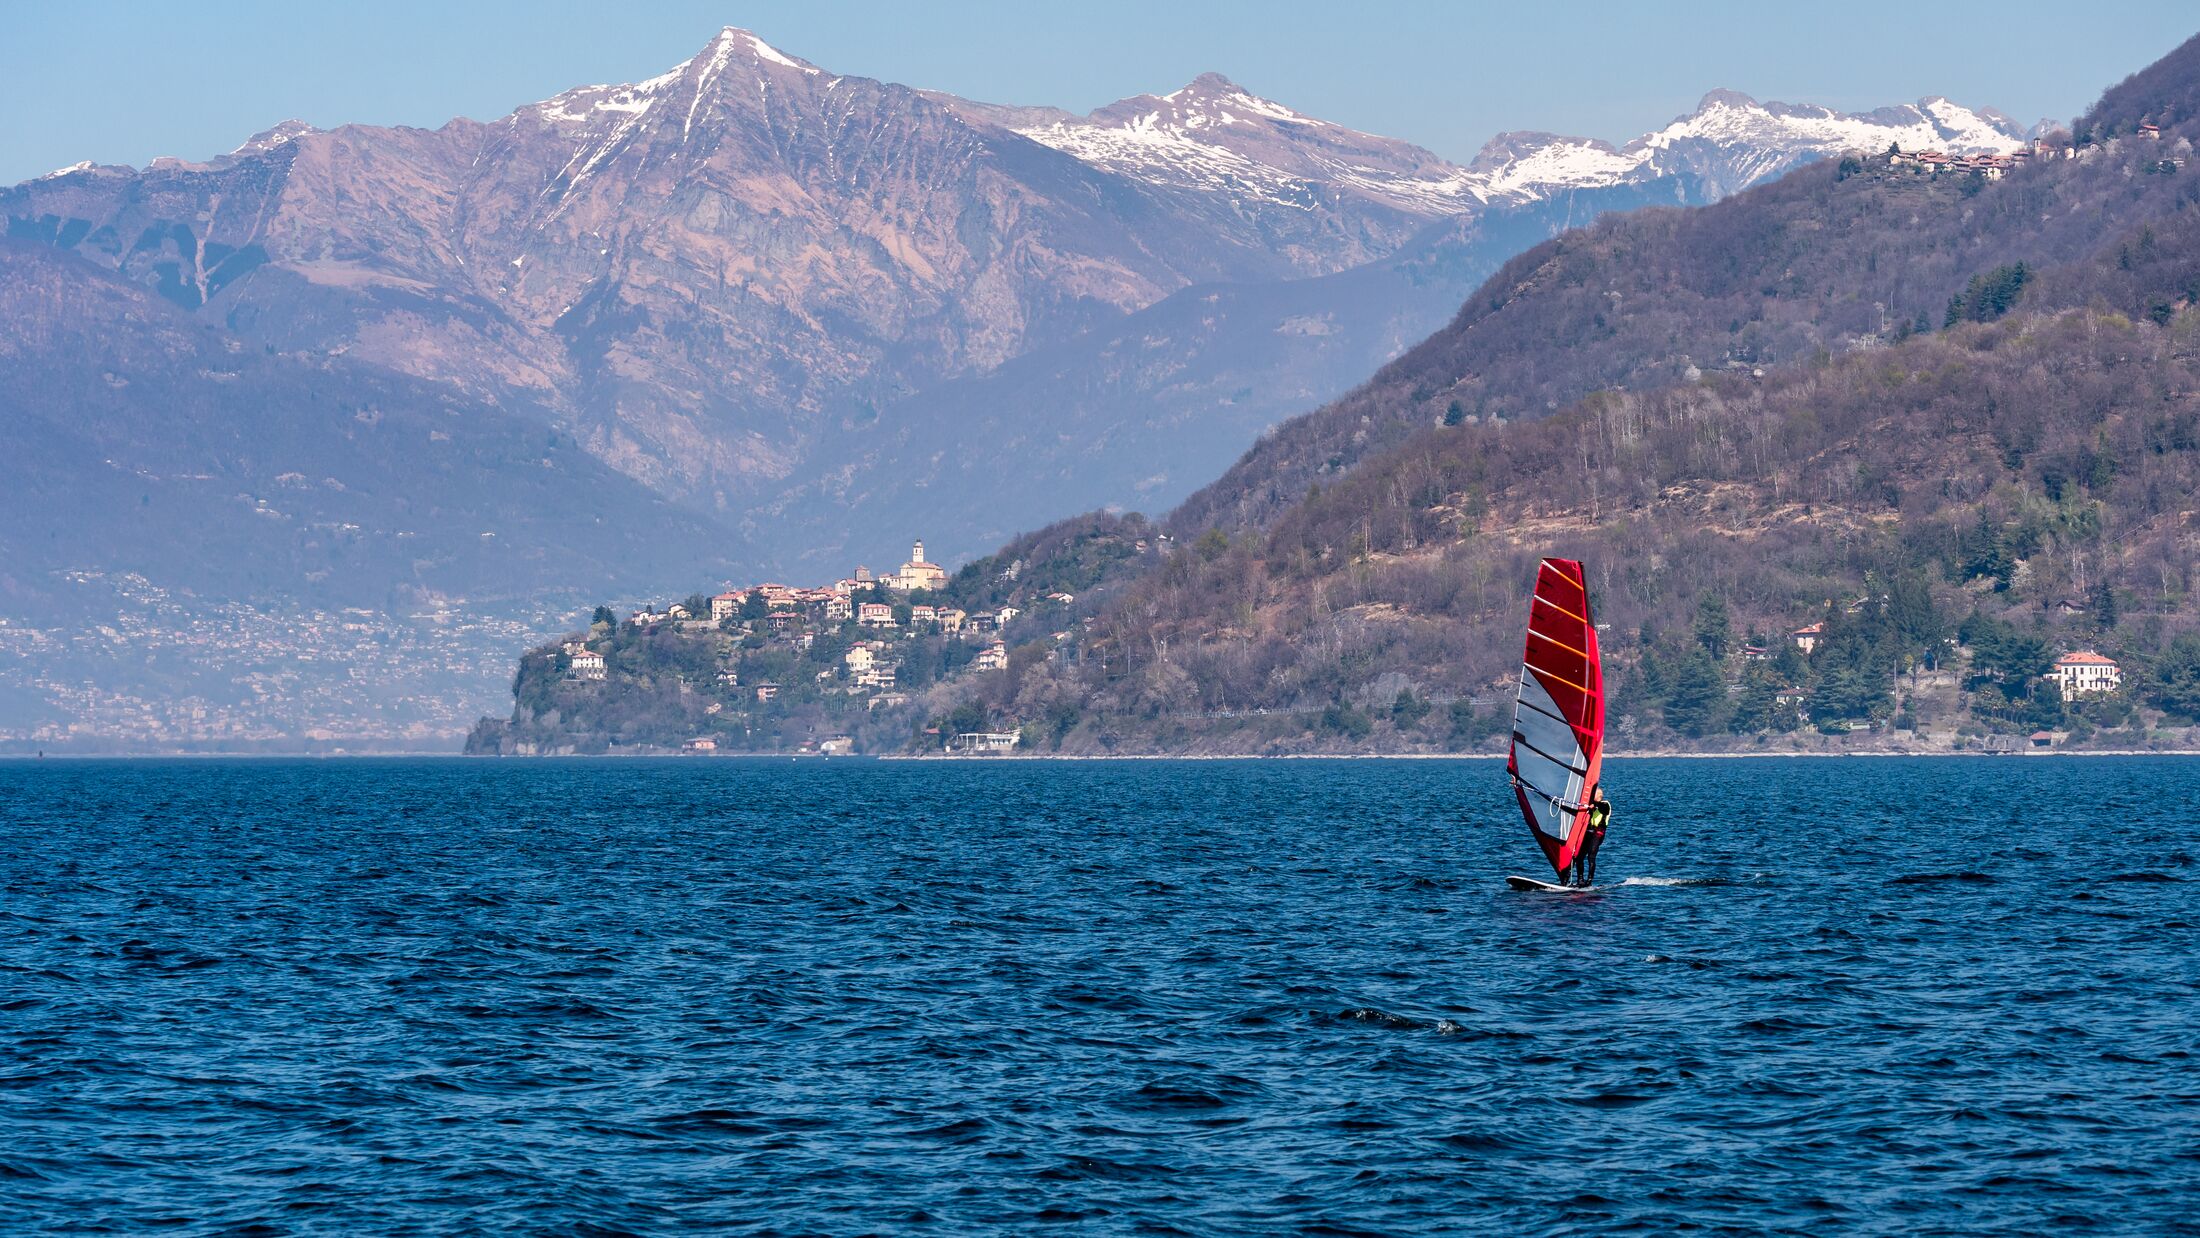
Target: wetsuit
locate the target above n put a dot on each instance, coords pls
(1585, 860)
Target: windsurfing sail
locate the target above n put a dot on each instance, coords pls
(1558, 724)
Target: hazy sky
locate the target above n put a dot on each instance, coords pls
(125, 82)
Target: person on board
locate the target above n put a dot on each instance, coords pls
(1585, 860)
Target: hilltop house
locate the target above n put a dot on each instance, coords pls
(875, 615)
(2085, 671)
(726, 605)
(586, 664)
(1807, 638)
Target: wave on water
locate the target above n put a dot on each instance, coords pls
(1930, 879)
(1380, 1018)
(1676, 881)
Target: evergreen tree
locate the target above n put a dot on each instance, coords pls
(2103, 604)
(1714, 630)
(1756, 705)
(2173, 686)
(1407, 711)
(1695, 697)
(1917, 623)
(1853, 667)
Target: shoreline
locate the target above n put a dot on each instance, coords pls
(1655, 754)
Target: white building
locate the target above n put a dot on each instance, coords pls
(985, 741)
(2086, 671)
(918, 573)
(993, 657)
(587, 664)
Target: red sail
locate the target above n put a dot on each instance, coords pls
(1558, 721)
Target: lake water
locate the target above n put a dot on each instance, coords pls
(396, 997)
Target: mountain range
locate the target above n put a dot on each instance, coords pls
(766, 315)
(1851, 458)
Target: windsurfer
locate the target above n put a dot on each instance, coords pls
(1585, 860)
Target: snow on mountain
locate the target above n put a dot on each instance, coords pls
(1214, 135)
(690, 79)
(268, 139)
(1732, 141)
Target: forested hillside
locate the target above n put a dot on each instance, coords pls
(1969, 503)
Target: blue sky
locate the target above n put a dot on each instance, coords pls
(125, 82)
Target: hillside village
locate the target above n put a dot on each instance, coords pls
(775, 667)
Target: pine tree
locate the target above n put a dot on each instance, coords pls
(1713, 630)
(1695, 699)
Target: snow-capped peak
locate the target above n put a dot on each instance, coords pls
(268, 139)
(1213, 98)
(1214, 134)
(691, 79)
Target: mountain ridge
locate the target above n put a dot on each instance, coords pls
(809, 310)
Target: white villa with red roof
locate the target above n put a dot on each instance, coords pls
(2086, 671)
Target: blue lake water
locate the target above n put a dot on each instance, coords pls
(412, 997)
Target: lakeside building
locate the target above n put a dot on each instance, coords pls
(2086, 671)
(984, 741)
